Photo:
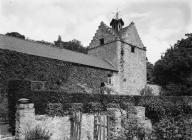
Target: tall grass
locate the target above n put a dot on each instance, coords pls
(37, 133)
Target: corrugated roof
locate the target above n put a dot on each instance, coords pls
(34, 48)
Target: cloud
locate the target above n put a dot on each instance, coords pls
(159, 23)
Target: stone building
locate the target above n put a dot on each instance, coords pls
(115, 56)
(56, 69)
(122, 48)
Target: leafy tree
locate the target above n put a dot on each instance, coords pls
(174, 70)
(74, 45)
(15, 34)
(150, 68)
(174, 128)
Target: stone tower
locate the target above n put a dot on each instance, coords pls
(123, 48)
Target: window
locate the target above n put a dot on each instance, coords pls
(101, 41)
(132, 49)
(109, 81)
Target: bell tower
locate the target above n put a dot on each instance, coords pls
(117, 23)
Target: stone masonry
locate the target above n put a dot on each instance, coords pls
(25, 118)
(124, 50)
(60, 127)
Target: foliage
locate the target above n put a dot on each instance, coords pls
(92, 107)
(3, 108)
(158, 108)
(131, 125)
(74, 45)
(177, 128)
(15, 34)
(147, 91)
(150, 69)
(55, 109)
(37, 134)
(174, 70)
(133, 128)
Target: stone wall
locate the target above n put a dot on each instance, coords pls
(156, 89)
(58, 75)
(133, 77)
(107, 52)
(55, 74)
(61, 128)
(103, 31)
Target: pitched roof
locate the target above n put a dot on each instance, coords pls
(37, 49)
(127, 35)
(130, 35)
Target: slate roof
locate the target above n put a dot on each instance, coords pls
(37, 49)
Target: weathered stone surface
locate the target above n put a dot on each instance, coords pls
(131, 78)
(25, 118)
(55, 74)
(87, 127)
(114, 124)
(156, 89)
(59, 127)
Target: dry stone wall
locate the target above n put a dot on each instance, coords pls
(61, 127)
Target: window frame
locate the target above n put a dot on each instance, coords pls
(101, 41)
(132, 49)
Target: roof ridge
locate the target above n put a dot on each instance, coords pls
(125, 28)
(43, 50)
(51, 46)
(27, 40)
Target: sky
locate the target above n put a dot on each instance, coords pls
(160, 23)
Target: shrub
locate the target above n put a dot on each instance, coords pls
(147, 91)
(177, 128)
(3, 108)
(37, 133)
(132, 127)
(55, 109)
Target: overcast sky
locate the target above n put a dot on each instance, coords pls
(160, 23)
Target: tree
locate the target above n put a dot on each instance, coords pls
(150, 68)
(174, 70)
(15, 34)
(74, 45)
(174, 128)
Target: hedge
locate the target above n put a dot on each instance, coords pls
(156, 106)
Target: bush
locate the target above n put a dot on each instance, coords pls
(177, 128)
(147, 91)
(38, 134)
(3, 108)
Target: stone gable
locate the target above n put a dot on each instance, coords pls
(125, 51)
(130, 35)
(105, 32)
